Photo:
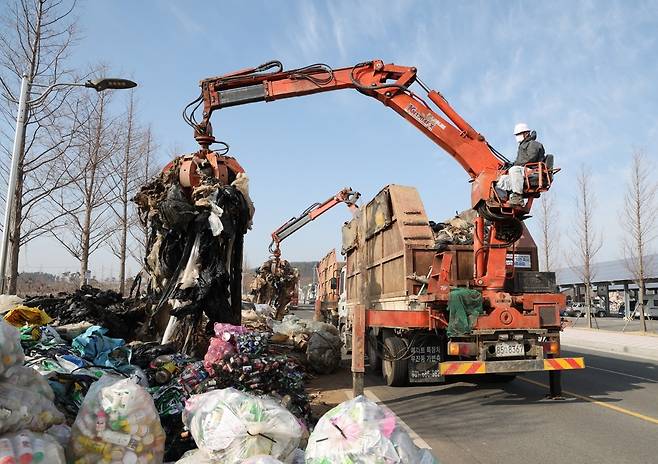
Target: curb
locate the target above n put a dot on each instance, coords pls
(625, 350)
(572, 340)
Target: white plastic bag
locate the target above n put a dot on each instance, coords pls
(21, 408)
(196, 457)
(230, 426)
(117, 420)
(11, 352)
(361, 432)
(7, 302)
(26, 447)
(263, 459)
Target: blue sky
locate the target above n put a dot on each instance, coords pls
(583, 74)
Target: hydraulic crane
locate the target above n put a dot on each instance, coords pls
(292, 225)
(498, 224)
(390, 84)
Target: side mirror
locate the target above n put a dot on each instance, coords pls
(334, 283)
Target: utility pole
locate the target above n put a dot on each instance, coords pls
(19, 140)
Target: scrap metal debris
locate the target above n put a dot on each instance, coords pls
(275, 285)
(195, 242)
(457, 230)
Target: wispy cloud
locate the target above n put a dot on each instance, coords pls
(186, 22)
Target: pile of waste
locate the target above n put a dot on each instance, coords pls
(105, 308)
(94, 398)
(68, 365)
(275, 284)
(457, 230)
(195, 242)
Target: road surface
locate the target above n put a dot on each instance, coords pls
(610, 415)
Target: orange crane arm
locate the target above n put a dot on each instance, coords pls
(346, 195)
(388, 83)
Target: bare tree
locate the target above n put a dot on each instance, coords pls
(85, 203)
(35, 39)
(147, 167)
(548, 220)
(640, 213)
(127, 179)
(587, 242)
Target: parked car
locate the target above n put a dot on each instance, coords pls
(649, 313)
(579, 309)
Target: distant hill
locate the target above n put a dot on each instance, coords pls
(306, 271)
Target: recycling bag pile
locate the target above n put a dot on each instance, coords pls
(95, 398)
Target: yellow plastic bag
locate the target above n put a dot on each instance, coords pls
(24, 315)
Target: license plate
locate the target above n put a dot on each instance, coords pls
(509, 349)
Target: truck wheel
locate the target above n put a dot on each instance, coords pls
(374, 365)
(395, 370)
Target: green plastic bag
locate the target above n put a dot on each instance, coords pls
(464, 306)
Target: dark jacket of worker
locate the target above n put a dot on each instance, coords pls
(530, 151)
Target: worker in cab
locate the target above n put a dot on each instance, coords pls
(530, 151)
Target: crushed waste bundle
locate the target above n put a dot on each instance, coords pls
(275, 284)
(194, 248)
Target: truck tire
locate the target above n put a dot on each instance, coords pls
(395, 371)
(374, 365)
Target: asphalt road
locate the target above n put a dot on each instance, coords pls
(615, 324)
(609, 415)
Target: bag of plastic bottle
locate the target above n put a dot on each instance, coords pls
(11, 352)
(117, 423)
(261, 460)
(27, 447)
(230, 426)
(24, 409)
(20, 376)
(196, 456)
(359, 431)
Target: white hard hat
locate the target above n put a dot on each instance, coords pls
(520, 128)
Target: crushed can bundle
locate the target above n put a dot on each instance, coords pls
(230, 426)
(117, 423)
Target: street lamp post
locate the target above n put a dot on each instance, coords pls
(24, 106)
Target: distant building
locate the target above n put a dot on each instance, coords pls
(608, 276)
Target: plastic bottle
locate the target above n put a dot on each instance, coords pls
(23, 448)
(6, 452)
(39, 452)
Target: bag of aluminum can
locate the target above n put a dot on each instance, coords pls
(27, 447)
(117, 422)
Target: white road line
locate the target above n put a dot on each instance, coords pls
(414, 436)
(621, 373)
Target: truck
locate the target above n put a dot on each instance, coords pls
(327, 273)
(394, 268)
